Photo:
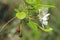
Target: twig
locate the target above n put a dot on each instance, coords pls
(7, 23)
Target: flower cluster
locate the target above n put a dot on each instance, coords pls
(43, 16)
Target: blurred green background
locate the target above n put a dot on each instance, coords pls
(9, 12)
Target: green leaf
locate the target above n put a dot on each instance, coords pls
(33, 2)
(46, 29)
(16, 10)
(33, 25)
(30, 1)
(49, 6)
(21, 15)
(22, 8)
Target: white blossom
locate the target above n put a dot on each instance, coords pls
(43, 16)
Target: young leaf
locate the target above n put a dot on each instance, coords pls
(32, 2)
(16, 10)
(21, 15)
(22, 8)
(47, 29)
(32, 25)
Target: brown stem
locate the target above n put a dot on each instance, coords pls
(20, 26)
(7, 23)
